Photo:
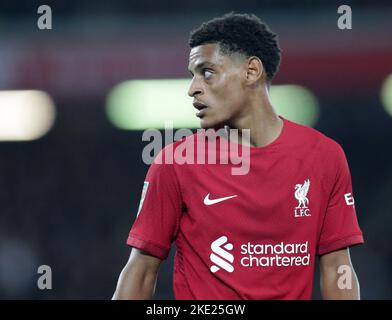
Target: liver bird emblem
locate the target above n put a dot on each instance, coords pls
(301, 190)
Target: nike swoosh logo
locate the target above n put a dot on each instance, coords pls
(208, 201)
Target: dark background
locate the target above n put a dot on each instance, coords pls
(68, 199)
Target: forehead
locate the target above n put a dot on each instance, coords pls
(210, 54)
(206, 53)
(210, 50)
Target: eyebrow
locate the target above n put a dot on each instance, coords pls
(202, 65)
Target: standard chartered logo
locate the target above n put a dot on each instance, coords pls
(220, 257)
(275, 255)
(262, 255)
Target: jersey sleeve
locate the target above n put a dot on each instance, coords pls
(340, 227)
(159, 213)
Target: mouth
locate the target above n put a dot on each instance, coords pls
(201, 107)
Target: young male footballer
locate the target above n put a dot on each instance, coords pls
(253, 235)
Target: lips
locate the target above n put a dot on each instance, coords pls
(201, 107)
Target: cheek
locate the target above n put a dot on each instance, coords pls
(231, 95)
(229, 90)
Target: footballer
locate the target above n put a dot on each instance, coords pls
(256, 235)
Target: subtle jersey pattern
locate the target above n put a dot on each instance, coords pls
(262, 242)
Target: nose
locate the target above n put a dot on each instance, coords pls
(195, 88)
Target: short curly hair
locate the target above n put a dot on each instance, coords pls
(241, 33)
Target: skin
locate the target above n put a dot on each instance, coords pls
(138, 279)
(235, 90)
(329, 277)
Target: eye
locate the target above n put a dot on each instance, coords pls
(207, 73)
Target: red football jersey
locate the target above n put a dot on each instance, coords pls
(252, 236)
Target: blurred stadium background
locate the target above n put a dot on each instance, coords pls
(71, 171)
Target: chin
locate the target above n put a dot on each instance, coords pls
(208, 124)
(205, 124)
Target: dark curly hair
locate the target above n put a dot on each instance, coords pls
(241, 33)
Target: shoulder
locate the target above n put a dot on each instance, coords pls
(325, 154)
(302, 136)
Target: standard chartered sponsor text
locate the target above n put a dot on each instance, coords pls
(279, 255)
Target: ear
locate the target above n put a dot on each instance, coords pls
(255, 70)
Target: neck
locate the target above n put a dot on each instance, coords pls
(260, 117)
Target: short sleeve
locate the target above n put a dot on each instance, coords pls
(159, 213)
(340, 227)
